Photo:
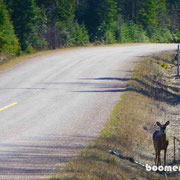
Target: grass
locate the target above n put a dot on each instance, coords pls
(148, 96)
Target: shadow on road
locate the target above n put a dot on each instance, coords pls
(44, 156)
(148, 87)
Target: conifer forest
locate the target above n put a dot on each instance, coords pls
(27, 26)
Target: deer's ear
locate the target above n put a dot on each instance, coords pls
(167, 123)
(158, 124)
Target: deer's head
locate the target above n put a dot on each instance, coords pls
(163, 126)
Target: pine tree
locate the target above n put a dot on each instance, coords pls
(9, 45)
(97, 13)
(24, 17)
(174, 14)
(147, 13)
(57, 11)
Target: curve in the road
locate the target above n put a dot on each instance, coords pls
(64, 99)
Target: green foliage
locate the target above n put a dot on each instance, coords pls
(147, 14)
(9, 45)
(71, 34)
(42, 29)
(161, 35)
(24, 17)
(65, 9)
(126, 33)
(144, 20)
(43, 24)
(137, 33)
(176, 36)
(30, 49)
(124, 36)
(164, 65)
(79, 35)
(174, 15)
(152, 13)
(130, 32)
(97, 14)
(109, 37)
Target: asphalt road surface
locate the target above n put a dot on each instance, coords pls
(52, 105)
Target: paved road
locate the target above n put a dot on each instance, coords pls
(51, 105)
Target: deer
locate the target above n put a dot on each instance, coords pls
(160, 142)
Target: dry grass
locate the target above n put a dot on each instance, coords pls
(129, 130)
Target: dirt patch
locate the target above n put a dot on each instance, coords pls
(153, 94)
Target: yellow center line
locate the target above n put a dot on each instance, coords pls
(2, 109)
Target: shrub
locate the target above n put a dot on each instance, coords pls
(130, 32)
(109, 37)
(30, 49)
(79, 34)
(160, 35)
(71, 34)
(125, 34)
(156, 75)
(176, 36)
(164, 65)
(137, 33)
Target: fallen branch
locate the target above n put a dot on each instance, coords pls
(131, 159)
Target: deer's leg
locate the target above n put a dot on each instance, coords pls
(156, 158)
(159, 159)
(165, 157)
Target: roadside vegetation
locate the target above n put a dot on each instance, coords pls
(152, 94)
(32, 25)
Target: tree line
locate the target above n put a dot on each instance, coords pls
(30, 25)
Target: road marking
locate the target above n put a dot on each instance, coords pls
(2, 109)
